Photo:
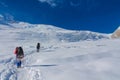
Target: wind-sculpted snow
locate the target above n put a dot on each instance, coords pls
(61, 36)
(80, 35)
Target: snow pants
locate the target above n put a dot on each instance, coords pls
(19, 63)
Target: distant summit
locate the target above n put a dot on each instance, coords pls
(116, 33)
(6, 18)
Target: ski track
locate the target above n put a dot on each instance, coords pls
(12, 73)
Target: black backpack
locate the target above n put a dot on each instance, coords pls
(20, 51)
(38, 45)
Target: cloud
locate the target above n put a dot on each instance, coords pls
(6, 18)
(50, 2)
(87, 5)
(3, 4)
(1, 17)
(74, 4)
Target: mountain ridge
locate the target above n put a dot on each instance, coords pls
(52, 33)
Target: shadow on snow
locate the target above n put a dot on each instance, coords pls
(51, 65)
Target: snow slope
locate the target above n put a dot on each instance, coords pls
(49, 32)
(67, 60)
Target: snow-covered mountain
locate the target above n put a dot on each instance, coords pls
(51, 33)
(67, 60)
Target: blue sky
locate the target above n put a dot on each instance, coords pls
(94, 15)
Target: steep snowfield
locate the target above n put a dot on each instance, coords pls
(66, 60)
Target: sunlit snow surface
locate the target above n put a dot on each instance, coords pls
(57, 60)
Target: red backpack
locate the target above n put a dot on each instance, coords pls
(16, 50)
